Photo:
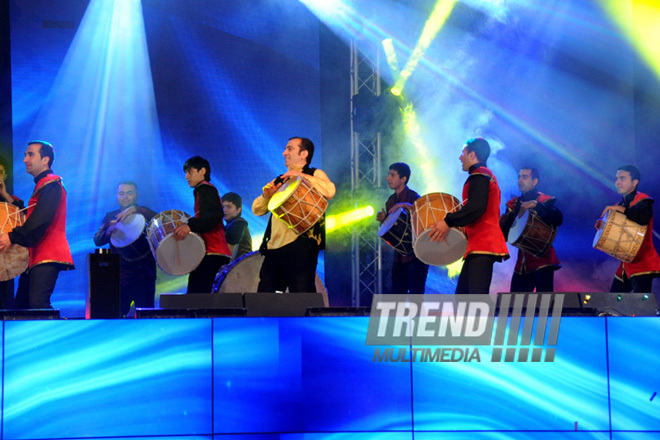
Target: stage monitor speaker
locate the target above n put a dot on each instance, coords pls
(339, 311)
(201, 301)
(104, 296)
(189, 313)
(281, 304)
(29, 314)
(620, 304)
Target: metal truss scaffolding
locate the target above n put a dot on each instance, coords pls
(366, 273)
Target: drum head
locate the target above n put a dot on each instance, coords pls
(13, 262)
(128, 230)
(389, 222)
(180, 257)
(282, 194)
(440, 253)
(518, 227)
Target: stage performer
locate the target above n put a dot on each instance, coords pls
(532, 272)
(207, 222)
(480, 216)
(408, 272)
(44, 231)
(237, 231)
(7, 287)
(290, 259)
(636, 276)
(137, 264)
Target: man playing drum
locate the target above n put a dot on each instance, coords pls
(636, 276)
(44, 231)
(237, 231)
(290, 259)
(408, 273)
(480, 216)
(7, 287)
(207, 222)
(137, 267)
(532, 272)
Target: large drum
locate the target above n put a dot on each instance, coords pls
(532, 234)
(298, 204)
(396, 231)
(17, 258)
(619, 237)
(129, 237)
(175, 257)
(427, 211)
(242, 276)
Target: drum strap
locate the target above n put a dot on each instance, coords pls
(264, 243)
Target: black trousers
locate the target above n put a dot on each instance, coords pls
(543, 280)
(476, 274)
(409, 277)
(36, 285)
(637, 284)
(7, 294)
(201, 279)
(292, 266)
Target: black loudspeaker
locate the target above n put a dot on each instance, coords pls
(281, 304)
(104, 297)
(201, 301)
(29, 314)
(189, 313)
(620, 304)
(339, 311)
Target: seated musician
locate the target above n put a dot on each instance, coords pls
(237, 230)
(290, 259)
(137, 265)
(7, 287)
(636, 276)
(408, 272)
(532, 272)
(207, 222)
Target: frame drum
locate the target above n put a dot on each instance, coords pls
(175, 257)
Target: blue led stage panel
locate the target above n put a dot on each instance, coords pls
(67, 379)
(636, 435)
(519, 395)
(634, 378)
(321, 436)
(305, 375)
(534, 435)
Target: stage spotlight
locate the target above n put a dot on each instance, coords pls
(395, 91)
(337, 221)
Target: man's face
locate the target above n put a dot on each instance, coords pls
(293, 157)
(34, 163)
(194, 176)
(394, 181)
(525, 181)
(127, 196)
(230, 210)
(468, 158)
(624, 182)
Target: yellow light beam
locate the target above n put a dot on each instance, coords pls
(340, 220)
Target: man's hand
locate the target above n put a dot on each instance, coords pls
(381, 215)
(5, 243)
(617, 208)
(524, 206)
(439, 231)
(181, 231)
(125, 213)
(270, 189)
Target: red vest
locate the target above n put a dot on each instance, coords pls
(647, 260)
(484, 234)
(526, 262)
(53, 247)
(215, 241)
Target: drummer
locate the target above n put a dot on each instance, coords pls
(7, 287)
(289, 259)
(532, 272)
(137, 270)
(44, 231)
(636, 276)
(408, 272)
(207, 222)
(480, 216)
(237, 230)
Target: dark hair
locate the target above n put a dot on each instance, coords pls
(633, 170)
(234, 198)
(4, 164)
(534, 172)
(480, 147)
(128, 182)
(306, 145)
(198, 163)
(402, 169)
(45, 150)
